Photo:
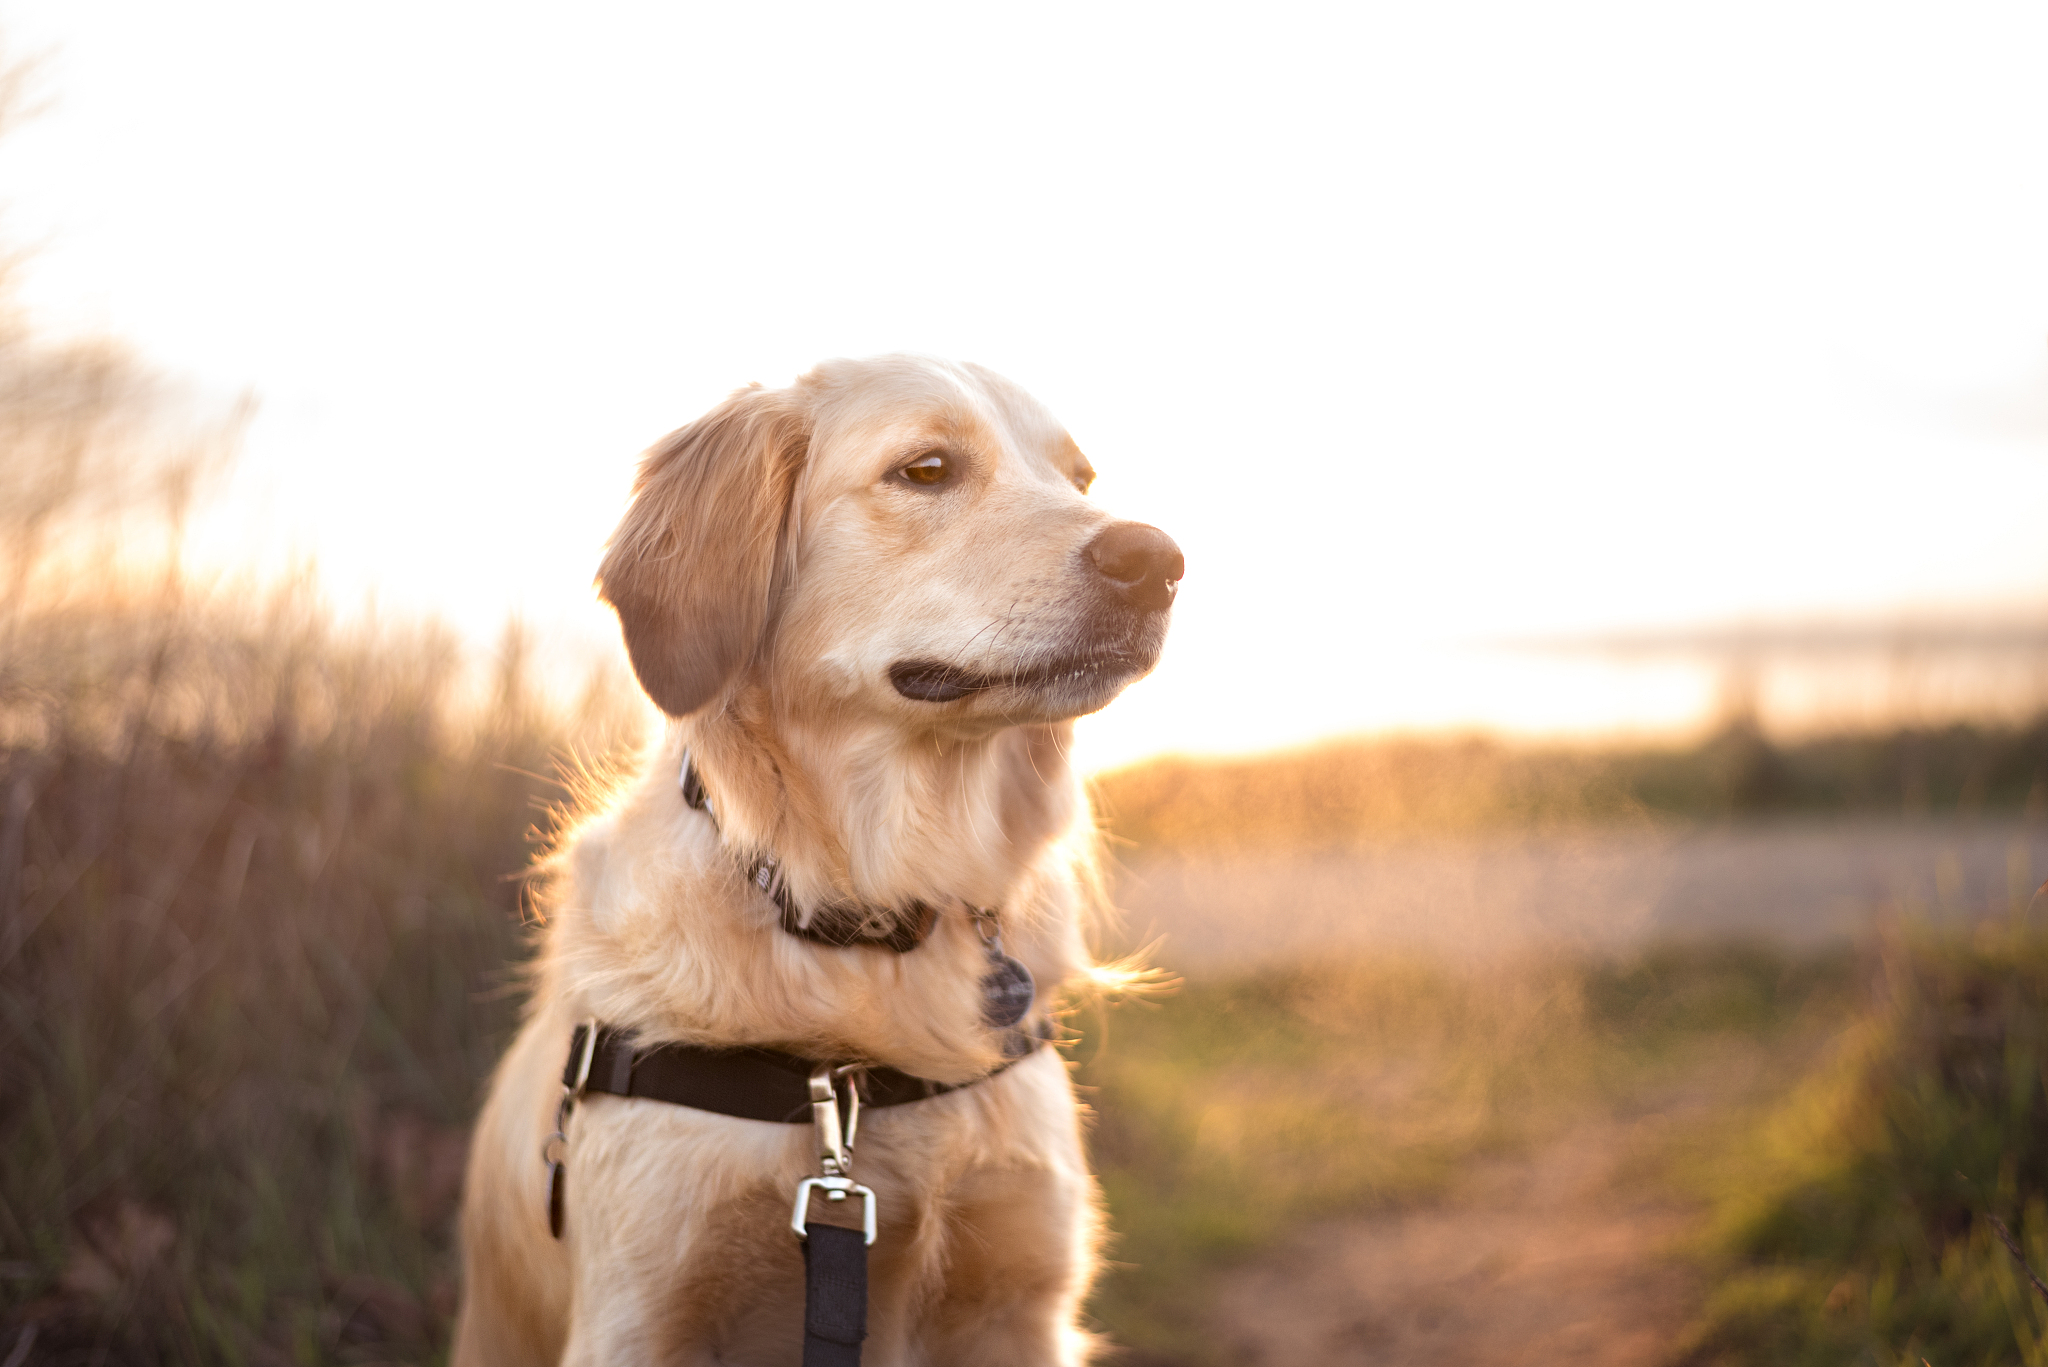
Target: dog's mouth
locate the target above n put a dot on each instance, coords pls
(934, 681)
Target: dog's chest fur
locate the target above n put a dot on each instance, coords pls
(654, 928)
(658, 931)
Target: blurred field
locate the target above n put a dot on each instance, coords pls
(1703, 1156)
(1804, 881)
(1503, 1084)
(1338, 1162)
(260, 930)
(1474, 849)
(1346, 794)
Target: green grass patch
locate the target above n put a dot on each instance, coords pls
(1853, 1223)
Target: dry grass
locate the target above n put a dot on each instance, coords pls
(258, 923)
(1343, 794)
(259, 908)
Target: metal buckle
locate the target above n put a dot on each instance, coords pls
(835, 1189)
(835, 1151)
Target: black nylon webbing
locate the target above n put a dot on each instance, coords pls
(753, 1084)
(835, 1296)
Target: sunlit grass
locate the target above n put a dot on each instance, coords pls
(259, 930)
(1340, 794)
(1854, 1222)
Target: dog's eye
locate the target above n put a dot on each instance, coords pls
(930, 468)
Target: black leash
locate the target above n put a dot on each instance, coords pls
(835, 1296)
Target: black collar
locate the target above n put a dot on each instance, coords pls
(839, 924)
(1006, 988)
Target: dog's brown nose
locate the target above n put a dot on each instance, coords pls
(1141, 561)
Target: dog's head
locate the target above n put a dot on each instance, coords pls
(898, 536)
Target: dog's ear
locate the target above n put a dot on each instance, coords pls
(692, 569)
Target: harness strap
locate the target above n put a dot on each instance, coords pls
(750, 1083)
(763, 1084)
(768, 1084)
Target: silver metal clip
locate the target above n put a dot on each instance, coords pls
(835, 1152)
(835, 1146)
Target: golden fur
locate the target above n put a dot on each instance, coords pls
(773, 567)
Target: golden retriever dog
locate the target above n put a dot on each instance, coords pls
(870, 605)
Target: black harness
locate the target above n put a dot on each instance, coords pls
(754, 1083)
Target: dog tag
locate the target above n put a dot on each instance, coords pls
(556, 1178)
(1006, 991)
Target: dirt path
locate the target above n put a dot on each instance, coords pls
(1543, 1259)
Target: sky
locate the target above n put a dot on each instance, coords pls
(1420, 327)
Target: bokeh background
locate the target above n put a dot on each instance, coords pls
(1592, 800)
